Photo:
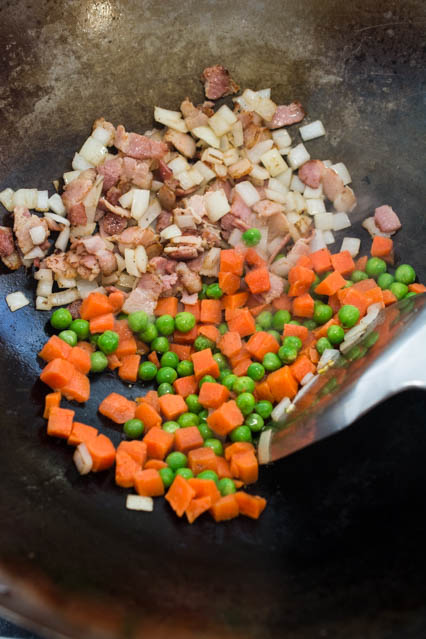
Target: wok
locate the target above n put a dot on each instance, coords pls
(339, 552)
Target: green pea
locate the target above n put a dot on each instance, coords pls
(255, 422)
(348, 315)
(214, 291)
(287, 354)
(185, 368)
(264, 320)
(264, 408)
(322, 345)
(165, 389)
(99, 362)
(243, 384)
(133, 428)
(205, 430)
(335, 334)
(184, 322)
(169, 359)
(166, 374)
(193, 404)
(322, 313)
(229, 381)
(202, 293)
(188, 419)
(165, 325)
(271, 362)
(80, 328)
(176, 460)
(224, 373)
(206, 378)
(275, 334)
(405, 274)
(167, 476)
(310, 324)
(375, 267)
(68, 336)
(186, 473)
(138, 321)
(220, 360)
(241, 434)
(61, 318)
(203, 414)
(209, 474)
(348, 284)
(256, 371)
(223, 328)
(399, 289)
(294, 322)
(202, 342)
(215, 445)
(246, 402)
(149, 334)
(170, 426)
(226, 486)
(358, 276)
(108, 342)
(293, 342)
(251, 237)
(94, 339)
(279, 319)
(371, 339)
(147, 371)
(385, 280)
(314, 284)
(160, 344)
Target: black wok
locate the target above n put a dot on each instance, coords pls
(339, 551)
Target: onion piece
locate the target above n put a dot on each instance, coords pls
(43, 275)
(281, 138)
(152, 212)
(26, 198)
(85, 287)
(42, 201)
(82, 230)
(309, 193)
(170, 231)
(263, 447)
(254, 154)
(42, 303)
(93, 151)
(56, 204)
(205, 171)
(139, 502)
(141, 259)
(259, 173)
(237, 134)
(79, 163)
(83, 459)
(296, 184)
(16, 300)
(317, 242)
(235, 237)
(103, 135)
(217, 204)
(370, 225)
(328, 237)
(65, 282)
(64, 297)
(341, 221)
(7, 199)
(35, 252)
(38, 234)
(69, 176)
(172, 119)
(211, 262)
(222, 121)
(315, 206)
(63, 239)
(126, 200)
(329, 355)
(57, 218)
(312, 130)
(308, 377)
(324, 221)
(129, 257)
(247, 192)
(351, 244)
(342, 171)
(280, 409)
(298, 156)
(44, 288)
(206, 134)
(91, 200)
(273, 162)
(140, 203)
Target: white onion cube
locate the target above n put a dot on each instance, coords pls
(285, 178)
(42, 201)
(237, 134)
(217, 204)
(139, 502)
(310, 194)
(351, 244)
(254, 154)
(93, 151)
(340, 221)
(315, 206)
(126, 200)
(296, 184)
(247, 192)
(207, 134)
(140, 203)
(26, 198)
(273, 162)
(172, 119)
(56, 205)
(6, 198)
(205, 171)
(342, 171)
(129, 258)
(221, 122)
(104, 136)
(170, 231)
(69, 176)
(324, 221)
(16, 300)
(178, 165)
(79, 163)
(281, 138)
(312, 130)
(141, 259)
(298, 156)
(328, 237)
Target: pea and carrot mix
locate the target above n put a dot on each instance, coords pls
(194, 262)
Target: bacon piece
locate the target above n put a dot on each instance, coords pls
(111, 171)
(74, 308)
(112, 224)
(163, 266)
(76, 191)
(266, 208)
(23, 221)
(77, 214)
(286, 114)
(138, 146)
(190, 280)
(218, 82)
(181, 252)
(240, 209)
(183, 142)
(96, 246)
(144, 297)
(138, 173)
(163, 221)
(275, 290)
(311, 173)
(113, 208)
(135, 236)
(193, 116)
(7, 245)
(386, 219)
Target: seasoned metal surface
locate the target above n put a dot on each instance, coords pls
(339, 551)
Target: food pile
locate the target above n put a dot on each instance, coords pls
(195, 258)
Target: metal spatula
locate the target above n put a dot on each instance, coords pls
(387, 357)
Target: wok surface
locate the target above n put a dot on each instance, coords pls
(339, 552)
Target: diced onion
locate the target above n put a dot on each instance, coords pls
(340, 221)
(317, 242)
(312, 130)
(308, 377)
(315, 206)
(43, 275)
(64, 297)
(140, 203)
(91, 200)
(330, 354)
(276, 196)
(35, 252)
(273, 162)
(129, 257)
(79, 163)
(42, 303)
(152, 212)
(324, 221)
(44, 287)
(103, 135)
(211, 261)
(7, 199)
(264, 93)
(171, 231)
(342, 171)
(280, 409)
(298, 156)
(57, 218)
(258, 150)
(172, 119)
(83, 459)
(69, 176)
(222, 121)
(26, 198)
(247, 192)
(63, 239)
(205, 171)
(296, 184)
(38, 234)
(237, 134)
(85, 287)
(328, 237)
(263, 447)
(235, 237)
(141, 259)
(370, 225)
(42, 201)
(178, 164)
(139, 502)
(65, 282)
(281, 138)
(93, 151)
(82, 230)
(207, 134)
(217, 204)
(16, 300)
(351, 244)
(56, 205)
(185, 221)
(285, 178)
(309, 193)
(259, 173)
(190, 178)
(231, 156)
(126, 200)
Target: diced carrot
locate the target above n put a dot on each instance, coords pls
(321, 331)
(194, 309)
(238, 483)
(51, 400)
(126, 346)
(234, 301)
(78, 387)
(225, 508)
(95, 304)
(185, 386)
(211, 311)
(200, 459)
(245, 466)
(180, 495)
(60, 422)
(141, 347)
(167, 306)
(197, 507)
(181, 350)
(57, 373)
(388, 296)
(301, 274)
(321, 260)
(148, 415)
(157, 464)
(210, 331)
(55, 348)
(230, 313)
(253, 258)
(333, 301)
(151, 398)
(212, 395)
(149, 483)
(257, 310)
(301, 367)
(282, 303)
(172, 406)
(204, 488)
(204, 364)
(262, 391)
(240, 356)
(230, 344)
(122, 328)
(282, 383)
(80, 358)
(128, 370)
(116, 299)
(86, 346)
(242, 367)
(364, 285)
(361, 263)
(343, 263)
(374, 296)
(187, 439)
(153, 357)
(117, 408)
(225, 418)
(231, 261)
(330, 284)
(185, 338)
(237, 447)
(354, 297)
(250, 505)
(113, 361)
(381, 246)
(243, 323)
(303, 306)
(223, 469)
(258, 280)
(125, 469)
(136, 449)
(102, 323)
(229, 283)
(295, 330)
(102, 452)
(158, 442)
(417, 288)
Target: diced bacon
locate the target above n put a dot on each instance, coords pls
(276, 288)
(332, 184)
(162, 266)
(224, 185)
(182, 142)
(190, 280)
(164, 171)
(138, 173)
(311, 173)
(106, 258)
(181, 252)
(386, 219)
(23, 221)
(168, 283)
(193, 117)
(345, 200)
(113, 208)
(253, 134)
(58, 263)
(286, 114)
(135, 236)
(113, 195)
(138, 146)
(112, 224)
(163, 221)
(218, 82)
(77, 214)
(7, 245)
(144, 297)
(111, 171)
(266, 208)
(76, 190)
(240, 209)
(74, 308)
